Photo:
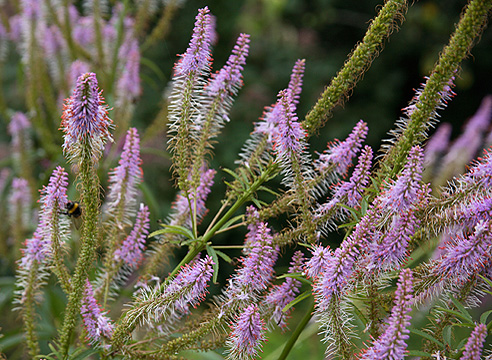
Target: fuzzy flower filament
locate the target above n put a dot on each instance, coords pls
(247, 335)
(391, 344)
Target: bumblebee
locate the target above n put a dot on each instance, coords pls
(73, 209)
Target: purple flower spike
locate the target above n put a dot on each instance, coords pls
(35, 250)
(18, 123)
(247, 335)
(481, 172)
(474, 345)
(469, 255)
(20, 201)
(132, 248)
(77, 68)
(191, 284)
(229, 78)
(391, 344)
(85, 120)
(197, 56)
(438, 143)
(96, 322)
(124, 179)
(295, 83)
(129, 83)
(340, 154)
(281, 295)
(407, 188)
(290, 132)
(318, 262)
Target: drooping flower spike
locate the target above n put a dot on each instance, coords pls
(96, 323)
(474, 345)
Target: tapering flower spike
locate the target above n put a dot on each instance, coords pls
(281, 295)
(125, 178)
(474, 345)
(391, 344)
(96, 323)
(128, 88)
(18, 124)
(131, 251)
(20, 203)
(197, 56)
(247, 335)
(229, 78)
(85, 121)
(438, 143)
(407, 188)
(340, 153)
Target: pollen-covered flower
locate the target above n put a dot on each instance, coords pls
(85, 121)
(131, 251)
(96, 322)
(340, 153)
(391, 344)
(124, 179)
(247, 335)
(474, 345)
(281, 295)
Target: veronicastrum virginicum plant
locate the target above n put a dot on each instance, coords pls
(362, 295)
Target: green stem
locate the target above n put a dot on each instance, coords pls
(297, 332)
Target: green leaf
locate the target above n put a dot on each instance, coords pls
(426, 336)
(212, 252)
(230, 222)
(462, 309)
(446, 334)
(174, 229)
(484, 316)
(298, 299)
(359, 314)
(453, 312)
(153, 66)
(224, 256)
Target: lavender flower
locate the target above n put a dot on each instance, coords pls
(391, 344)
(481, 172)
(291, 134)
(124, 179)
(19, 123)
(281, 295)
(131, 251)
(350, 192)
(181, 205)
(340, 154)
(320, 259)
(190, 284)
(20, 203)
(474, 345)
(437, 144)
(85, 121)
(129, 83)
(229, 78)
(197, 56)
(253, 219)
(97, 324)
(469, 255)
(272, 115)
(407, 189)
(77, 68)
(247, 335)
(35, 250)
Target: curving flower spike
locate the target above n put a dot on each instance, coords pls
(438, 143)
(131, 251)
(85, 121)
(340, 154)
(229, 78)
(197, 56)
(96, 322)
(391, 344)
(247, 335)
(474, 345)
